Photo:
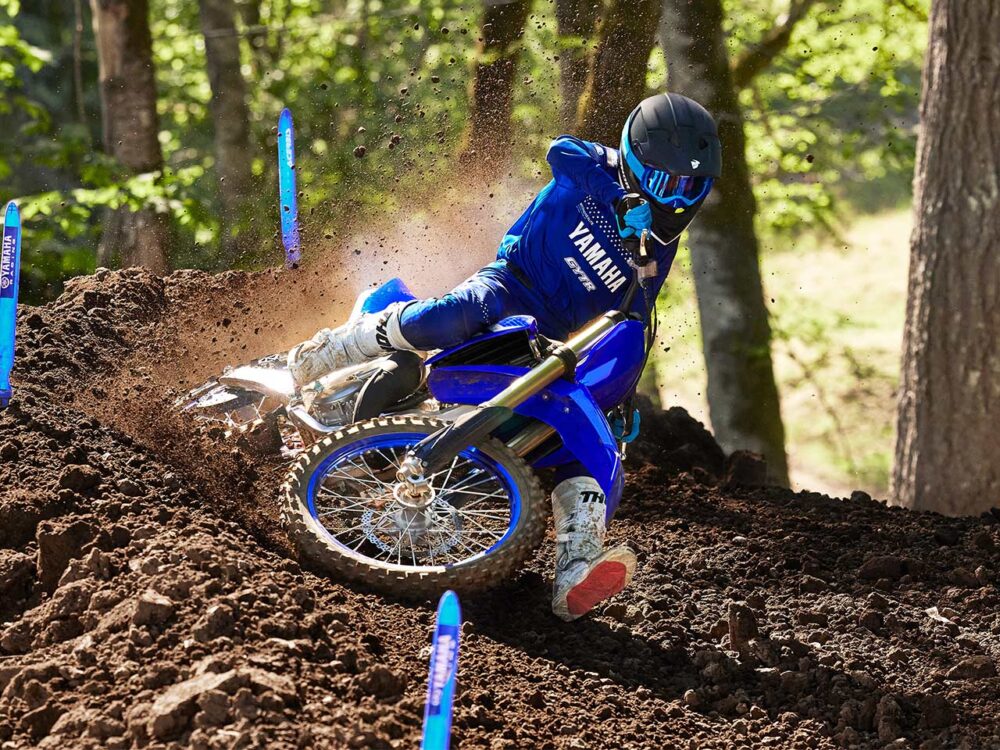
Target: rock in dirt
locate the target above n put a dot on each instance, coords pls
(214, 708)
(58, 543)
(260, 681)
(882, 566)
(935, 711)
(888, 718)
(215, 623)
(742, 626)
(38, 722)
(812, 585)
(17, 573)
(173, 709)
(947, 536)
(9, 451)
(973, 668)
(382, 682)
(79, 478)
(872, 620)
(152, 608)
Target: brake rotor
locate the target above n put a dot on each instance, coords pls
(446, 527)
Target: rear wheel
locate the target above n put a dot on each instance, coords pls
(343, 508)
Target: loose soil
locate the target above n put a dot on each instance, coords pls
(149, 599)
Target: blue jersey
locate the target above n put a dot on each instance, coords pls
(566, 244)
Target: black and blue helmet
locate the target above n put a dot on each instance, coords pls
(670, 154)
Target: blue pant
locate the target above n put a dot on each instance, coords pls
(488, 296)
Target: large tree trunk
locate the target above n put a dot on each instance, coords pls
(489, 133)
(742, 395)
(233, 155)
(947, 451)
(617, 79)
(131, 126)
(576, 21)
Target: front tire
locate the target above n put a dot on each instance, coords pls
(340, 510)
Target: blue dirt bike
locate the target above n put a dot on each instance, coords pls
(416, 476)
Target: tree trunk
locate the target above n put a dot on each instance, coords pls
(575, 21)
(947, 451)
(489, 133)
(742, 395)
(131, 126)
(231, 119)
(261, 54)
(616, 82)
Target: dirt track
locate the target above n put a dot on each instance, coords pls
(147, 598)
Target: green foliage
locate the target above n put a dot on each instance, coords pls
(830, 123)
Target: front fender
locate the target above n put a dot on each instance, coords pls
(566, 407)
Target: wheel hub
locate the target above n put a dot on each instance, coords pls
(405, 495)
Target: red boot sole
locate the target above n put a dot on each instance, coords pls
(604, 581)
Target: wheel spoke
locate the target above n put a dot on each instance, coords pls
(475, 494)
(349, 478)
(369, 514)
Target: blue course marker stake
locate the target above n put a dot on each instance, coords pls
(10, 276)
(444, 668)
(287, 191)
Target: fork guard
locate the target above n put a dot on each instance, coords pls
(565, 406)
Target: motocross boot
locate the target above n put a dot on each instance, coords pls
(586, 573)
(366, 337)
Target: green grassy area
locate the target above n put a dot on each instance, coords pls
(837, 315)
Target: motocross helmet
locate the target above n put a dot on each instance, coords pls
(670, 154)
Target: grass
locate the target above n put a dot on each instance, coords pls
(837, 315)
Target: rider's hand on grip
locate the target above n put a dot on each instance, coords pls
(634, 215)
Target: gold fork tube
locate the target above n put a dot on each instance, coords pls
(554, 367)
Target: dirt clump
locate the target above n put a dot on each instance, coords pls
(147, 600)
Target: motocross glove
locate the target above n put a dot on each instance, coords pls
(631, 221)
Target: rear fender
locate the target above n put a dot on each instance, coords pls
(566, 407)
(377, 299)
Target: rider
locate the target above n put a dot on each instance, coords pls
(563, 263)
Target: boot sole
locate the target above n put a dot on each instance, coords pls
(605, 579)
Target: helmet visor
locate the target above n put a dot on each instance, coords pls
(674, 190)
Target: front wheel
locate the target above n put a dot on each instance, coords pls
(344, 510)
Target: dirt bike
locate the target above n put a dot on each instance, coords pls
(415, 476)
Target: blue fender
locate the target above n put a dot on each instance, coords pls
(567, 407)
(611, 369)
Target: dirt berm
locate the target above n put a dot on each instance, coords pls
(148, 599)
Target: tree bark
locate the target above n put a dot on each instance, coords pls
(947, 451)
(742, 394)
(131, 126)
(575, 21)
(488, 140)
(616, 82)
(231, 120)
(261, 54)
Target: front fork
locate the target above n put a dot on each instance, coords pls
(438, 449)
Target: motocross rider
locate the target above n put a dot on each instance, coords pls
(562, 262)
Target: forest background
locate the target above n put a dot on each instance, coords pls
(399, 104)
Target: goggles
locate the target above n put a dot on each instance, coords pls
(674, 190)
(667, 189)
